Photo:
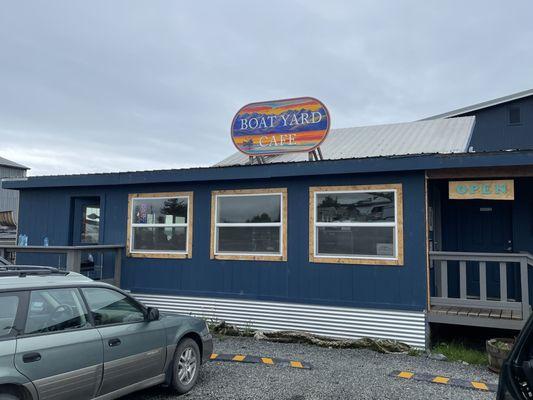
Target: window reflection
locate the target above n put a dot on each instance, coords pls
(248, 209)
(355, 207)
(160, 211)
(90, 227)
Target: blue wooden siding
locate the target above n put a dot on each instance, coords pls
(492, 130)
(47, 212)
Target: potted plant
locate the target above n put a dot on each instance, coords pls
(497, 350)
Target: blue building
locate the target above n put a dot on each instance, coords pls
(396, 227)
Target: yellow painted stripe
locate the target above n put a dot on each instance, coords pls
(239, 357)
(441, 379)
(296, 364)
(213, 356)
(479, 385)
(267, 360)
(406, 375)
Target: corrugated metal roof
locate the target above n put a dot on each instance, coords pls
(8, 163)
(442, 136)
(485, 104)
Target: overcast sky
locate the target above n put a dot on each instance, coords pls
(88, 86)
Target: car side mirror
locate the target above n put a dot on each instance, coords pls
(152, 314)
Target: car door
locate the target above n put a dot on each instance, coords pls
(59, 350)
(134, 349)
(12, 305)
(516, 375)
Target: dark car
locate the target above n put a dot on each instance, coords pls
(64, 336)
(516, 376)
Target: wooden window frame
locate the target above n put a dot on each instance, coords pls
(161, 253)
(398, 260)
(282, 256)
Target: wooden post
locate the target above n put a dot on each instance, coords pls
(503, 281)
(525, 288)
(482, 280)
(74, 260)
(444, 278)
(118, 266)
(462, 279)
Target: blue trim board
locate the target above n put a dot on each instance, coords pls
(293, 169)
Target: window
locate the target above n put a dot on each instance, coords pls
(356, 224)
(9, 303)
(160, 225)
(514, 115)
(249, 224)
(111, 307)
(54, 310)
(90, 226)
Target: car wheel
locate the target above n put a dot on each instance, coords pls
(186, 366)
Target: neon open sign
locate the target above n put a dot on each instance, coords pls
(280, 126)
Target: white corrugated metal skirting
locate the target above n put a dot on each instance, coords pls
(340, 322)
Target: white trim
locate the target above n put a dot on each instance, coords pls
(356, 224)
(133, 225)
(249, 224)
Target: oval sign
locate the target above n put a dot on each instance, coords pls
(280, 126)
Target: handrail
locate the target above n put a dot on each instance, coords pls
(48, 249)
(479, 260)
(471, 256)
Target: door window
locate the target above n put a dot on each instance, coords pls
(111, 307)
(90, 225)
(8, 312)
(53, 310)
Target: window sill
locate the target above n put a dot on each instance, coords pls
(358, 261)
(248, 257)
(160, 255)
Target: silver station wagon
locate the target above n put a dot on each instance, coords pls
(64, 336)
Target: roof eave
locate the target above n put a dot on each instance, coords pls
(281, 170)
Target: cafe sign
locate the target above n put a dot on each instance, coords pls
(280, 126)
(486, 189)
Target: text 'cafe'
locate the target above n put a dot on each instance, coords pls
(375, 231)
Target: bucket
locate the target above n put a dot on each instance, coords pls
(498, 350)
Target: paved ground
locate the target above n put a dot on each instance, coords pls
(337, 374)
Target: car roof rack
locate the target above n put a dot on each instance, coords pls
(24, 270)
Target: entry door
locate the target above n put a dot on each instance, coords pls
(86, 221)
(484, 227)
(134, 349)
(59, 350)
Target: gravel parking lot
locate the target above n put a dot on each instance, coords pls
(336, 374)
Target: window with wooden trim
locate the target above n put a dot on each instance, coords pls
(160, 225)
(356, 224)
(249, 224)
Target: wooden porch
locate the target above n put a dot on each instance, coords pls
(73, 257)
(495, 312)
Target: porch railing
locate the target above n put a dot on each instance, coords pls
(440, 259)
(74, 255)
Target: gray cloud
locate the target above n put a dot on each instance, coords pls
(129, 85)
